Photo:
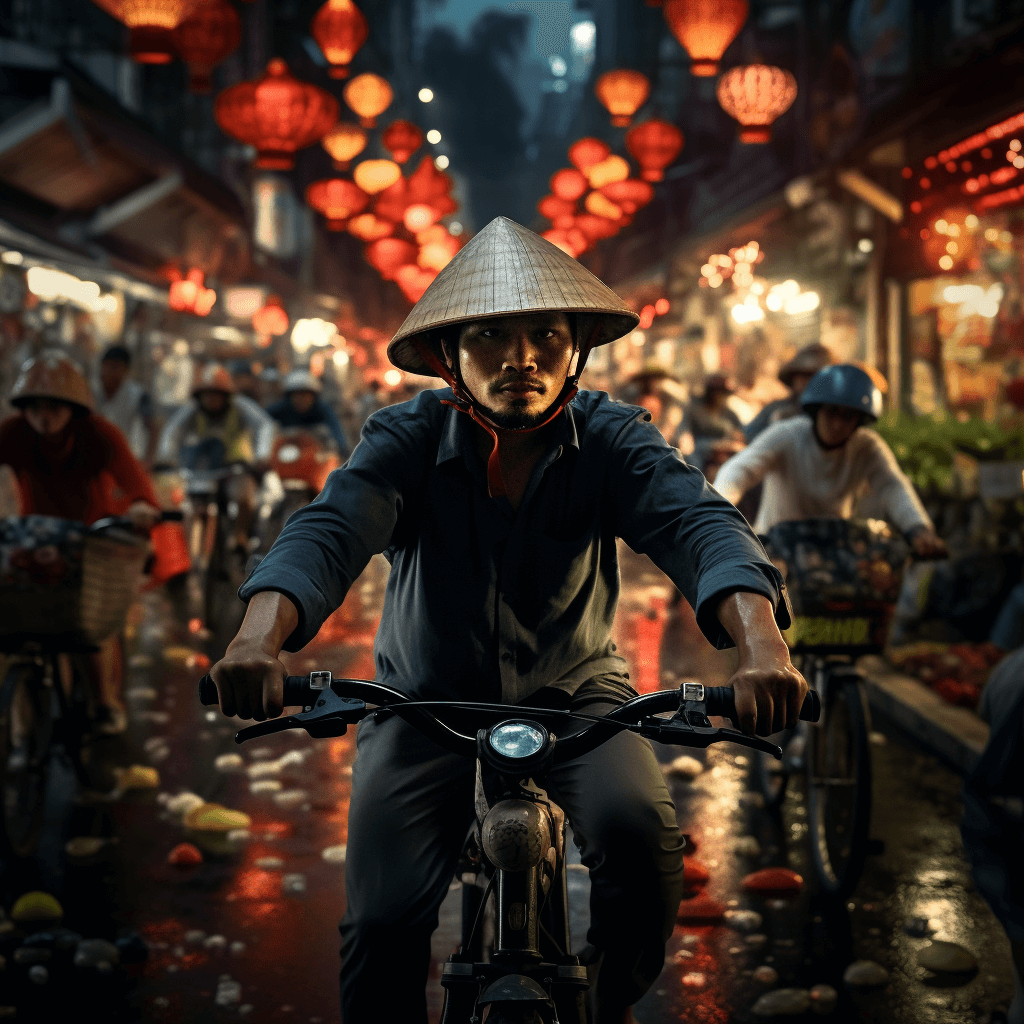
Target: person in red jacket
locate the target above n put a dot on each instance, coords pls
(74, 464)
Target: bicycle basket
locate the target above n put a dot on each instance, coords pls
(58, 580)
(843, 577)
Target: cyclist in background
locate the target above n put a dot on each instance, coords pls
(302, 406)
(796, 375)
(73, 464)
(816, 466)
(126, 403)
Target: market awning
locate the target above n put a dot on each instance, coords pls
(94, 175)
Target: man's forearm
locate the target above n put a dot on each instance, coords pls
(269, 620)
(750, 620)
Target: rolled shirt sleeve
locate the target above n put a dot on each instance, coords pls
(667, 511)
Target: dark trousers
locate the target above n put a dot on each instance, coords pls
(411, 805)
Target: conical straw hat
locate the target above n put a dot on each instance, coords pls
(508, 269)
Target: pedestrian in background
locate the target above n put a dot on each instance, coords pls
(796, 375)
(126, 403)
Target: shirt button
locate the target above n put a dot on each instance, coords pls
(507, 656)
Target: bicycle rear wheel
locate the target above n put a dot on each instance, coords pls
(26, 732)
(839, 787)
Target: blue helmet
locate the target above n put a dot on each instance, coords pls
(845, 385)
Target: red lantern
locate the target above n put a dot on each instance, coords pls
(374, 176)
(391, 204)
(401, 139)
(705, 28)
(414, 281)
(569, 240)
(654, 145)
(208, 35)
(344, 142)
(559, 211)
(595, 228)
(188, 295)
(622, 93)
(586, 152)
(568, 183)
(755, 95)
(369, 96)
(437, 248)
(601, 206)
(369, 227)
(337, 199)
(271, 319)
(339, 29)
(419, 217)
(277, 114)
(150, 25)
(630, 194)
(387, 255)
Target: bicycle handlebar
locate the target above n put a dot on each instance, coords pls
(331, 705)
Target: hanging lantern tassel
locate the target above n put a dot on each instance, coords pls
(756, 95)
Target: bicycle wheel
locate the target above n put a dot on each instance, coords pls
(26, 731)
(839, 788)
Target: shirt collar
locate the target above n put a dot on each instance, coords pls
(457, 435)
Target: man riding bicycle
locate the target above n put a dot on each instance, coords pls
(497, 501)
(302, 406)
(818, 465)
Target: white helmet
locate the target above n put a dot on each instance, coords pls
(301, 380)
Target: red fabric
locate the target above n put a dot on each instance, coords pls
(86, 472)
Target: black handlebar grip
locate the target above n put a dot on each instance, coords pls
(720, 701)
(297, 692)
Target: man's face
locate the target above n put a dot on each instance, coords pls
(46, 416)
(112, 374)
(515, 366)
(212, 402)
(302, 401)
(835, 424)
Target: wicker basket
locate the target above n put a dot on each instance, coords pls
(62, 584)
(843, 577)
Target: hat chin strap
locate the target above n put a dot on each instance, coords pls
(466, 403)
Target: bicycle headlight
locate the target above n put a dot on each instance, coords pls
(517, 740)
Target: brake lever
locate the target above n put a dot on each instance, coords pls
(320, 720)
(691, 721)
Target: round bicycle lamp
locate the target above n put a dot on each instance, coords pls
(517, 740)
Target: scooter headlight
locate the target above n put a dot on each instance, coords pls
(517, 740)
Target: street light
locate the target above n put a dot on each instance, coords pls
(426, 95)
(433, 136)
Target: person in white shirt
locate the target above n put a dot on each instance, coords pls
(817, 466)
(126, 402)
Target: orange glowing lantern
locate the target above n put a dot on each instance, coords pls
(151, 24)
(586, 152)
(373, 176)
(337, 199)
(271, 319)
(419, 217)
(393, 201)
(277, 114)
(344, 142)
(570, 240)
(559, 211)
(755, 95)
(622, 93)
(595, 228)
(413, 281)
(188, 295)
(705, 28)
(611, 168)
(339, 29)
(209, 34)
(369, 96)
(388, 254)
(568, 183)
(630, 194)
(602, 206)
(654, 145)
(437, 248)
(369, 227)
(401, 139)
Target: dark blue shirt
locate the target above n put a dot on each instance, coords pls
(486, 602)
(320, 413)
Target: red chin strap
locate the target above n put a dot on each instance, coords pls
(466, 403)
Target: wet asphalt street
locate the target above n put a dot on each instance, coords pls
(251, 933)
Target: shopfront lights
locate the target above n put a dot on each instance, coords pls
(12, 258)
(946, 262)
(441, 162)
(865, 245)
(312, 331)
(56, 286)
(393, 378)
(745, 314)
(433, 136)
(426, 95)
